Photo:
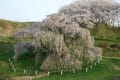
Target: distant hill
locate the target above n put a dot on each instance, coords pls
(7, 27)
(104, 31)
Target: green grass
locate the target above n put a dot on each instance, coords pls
(106, 70)
(106, 32)
(107, 51)
(27, 61)
(105, 36)
(6, 51)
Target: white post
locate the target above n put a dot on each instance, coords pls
(9, 60)
(91, 66)
(24, 71)
(48, 73)
(11, 63)
(14, 70)
(14, 58)
(61, 72)
(95, 63)
(73, 71)
(12, 67)
(86, 69)
(36, 72)
(98, 60)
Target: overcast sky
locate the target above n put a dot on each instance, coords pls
(30, 10)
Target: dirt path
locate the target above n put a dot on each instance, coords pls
(111, 57)
(29, 77)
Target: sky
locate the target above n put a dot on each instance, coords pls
(30, 10)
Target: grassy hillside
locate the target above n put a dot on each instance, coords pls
(108, 38)
(104, 31)
(8, 27)
(24, 62)
(108, 69)
(111, 48)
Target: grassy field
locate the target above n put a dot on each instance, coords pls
(106, 47)
(24, 62)
(104, 31)
(106, 37)
(108, 69)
